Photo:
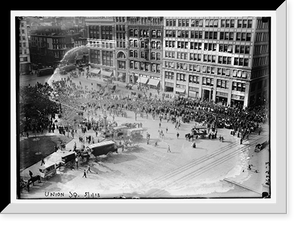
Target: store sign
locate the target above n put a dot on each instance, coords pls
(168, 84)
(194, 89)
(237, 97)
(222, 94)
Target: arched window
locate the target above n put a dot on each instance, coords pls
(121, 55)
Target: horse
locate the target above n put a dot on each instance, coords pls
(189, 136)
(34, 179)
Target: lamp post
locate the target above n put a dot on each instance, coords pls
(105, 121)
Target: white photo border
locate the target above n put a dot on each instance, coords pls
(278, 202)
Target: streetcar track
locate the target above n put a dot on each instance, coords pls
(196, 162)
(189, 176)
(207, 167)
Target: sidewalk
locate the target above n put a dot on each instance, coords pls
(254, 179)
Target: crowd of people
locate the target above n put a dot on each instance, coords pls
(74, 102)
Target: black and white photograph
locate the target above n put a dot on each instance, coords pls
(143, 107)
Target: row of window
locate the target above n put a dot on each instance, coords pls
(236, 86)
(107, 57)
(120, 35)
(121, 44)
(261, 25)
(207, 69)
(145, 66)
(120, 19)
(262, 37)
(120, 27)
(145, 20)
(239, 36)
(261, 49)
(260, 73)
(144, 44)
(240, 49)
(198, 45)
(260, 61)
(224, 23)
(101, 44)
(145, 33)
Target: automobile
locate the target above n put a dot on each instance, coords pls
(45, 71)
(103, 148)
(68, 157)
(47, 170)
(129, 86)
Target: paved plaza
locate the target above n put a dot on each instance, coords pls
(212, 169)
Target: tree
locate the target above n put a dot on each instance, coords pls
(36, 105)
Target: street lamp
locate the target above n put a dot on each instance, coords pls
(105, 121)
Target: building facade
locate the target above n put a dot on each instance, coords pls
(214, 58)
(102, 45)
(24, 54)
(145, 50)
(49, 44)
(121, 61)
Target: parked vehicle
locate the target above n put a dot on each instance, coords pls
(103, 148)
(47, 170)
(45, 72)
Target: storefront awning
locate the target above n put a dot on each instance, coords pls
(95, 71)
(153, 82)
(106, 73)
(180, 90)
(121, 75)
(142, 80)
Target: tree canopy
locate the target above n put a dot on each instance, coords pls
(36, 105)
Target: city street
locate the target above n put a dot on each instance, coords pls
(212, 169)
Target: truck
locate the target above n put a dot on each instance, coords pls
(45, 71)
(103, 148)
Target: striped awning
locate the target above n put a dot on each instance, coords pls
(180, 90)
(142, 80)
(106, 73)
(94, 70)
(153, 82)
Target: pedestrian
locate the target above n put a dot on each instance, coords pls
(89, 169)
(177, 135)
(194, 145)
(259, 130)
(241, 141)
(30, 174)
(166, 130)
(169, 149)
(159, 125)
(76, 160)
(84, 173)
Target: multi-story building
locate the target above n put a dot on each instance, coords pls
(102, 45)
(121, 48)
(217, 59)
(49, 44)
(145, 36)
(24, 55)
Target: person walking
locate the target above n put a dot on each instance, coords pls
(259, 130)
(177, 135)
(166, 130)
(89, 169)
(76, 160)
(169, 149)
(42, 162)
(84, 173)
(30, 174)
